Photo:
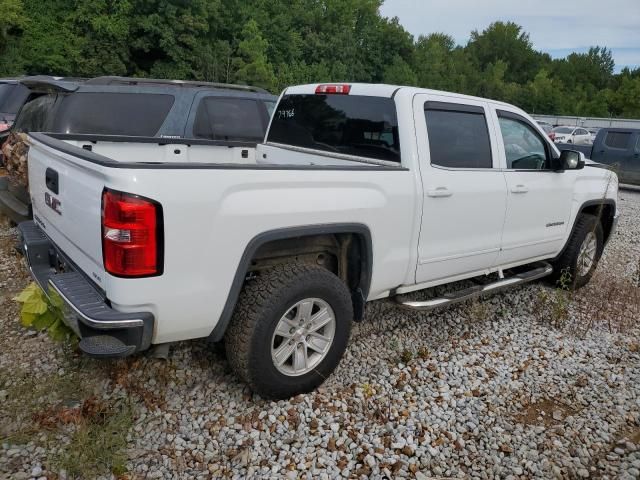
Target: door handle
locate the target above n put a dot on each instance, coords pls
(519, 189)
(439, 192)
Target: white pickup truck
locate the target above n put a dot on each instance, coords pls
(359, 192)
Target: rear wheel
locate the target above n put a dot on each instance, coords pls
(290, 328)
(578, 262)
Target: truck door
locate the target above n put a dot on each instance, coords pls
(619, 148)
(464, 192)
(539, 198)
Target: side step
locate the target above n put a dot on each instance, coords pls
(475, 291)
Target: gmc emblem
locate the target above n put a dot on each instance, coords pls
(53, 203)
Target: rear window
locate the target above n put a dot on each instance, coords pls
(131, 114)
(347, 124)
(617, 139)
(12, 97)
(230, 119)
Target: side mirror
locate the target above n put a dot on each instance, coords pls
(571, 160)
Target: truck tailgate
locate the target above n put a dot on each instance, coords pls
(66, 196)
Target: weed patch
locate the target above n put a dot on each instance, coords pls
(98, 443)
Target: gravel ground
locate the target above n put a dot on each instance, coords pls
(526, 384)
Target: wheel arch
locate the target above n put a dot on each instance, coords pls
(359, 292)
(603, 209)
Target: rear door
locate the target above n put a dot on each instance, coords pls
(539, 199)
(465, 196)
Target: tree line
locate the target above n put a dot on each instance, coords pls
(275, 43)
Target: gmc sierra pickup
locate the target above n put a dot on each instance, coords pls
(359, 192)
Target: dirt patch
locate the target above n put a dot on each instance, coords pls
(546, 413)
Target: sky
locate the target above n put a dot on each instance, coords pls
(557, 27)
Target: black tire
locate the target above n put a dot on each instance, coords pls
(568, 261)
(262, 303)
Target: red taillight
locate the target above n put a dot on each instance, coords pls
(131, 235)
(335, 89)
(552, 135)
(4, 126)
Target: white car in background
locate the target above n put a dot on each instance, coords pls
(575, 135)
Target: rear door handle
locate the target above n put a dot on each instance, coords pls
(519, 189)
(439, 192)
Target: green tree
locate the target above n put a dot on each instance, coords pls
(592, 68)
(252, 66)
(12, 19)
(104, 32)
(505, 42)
(399, 72)
(625, 101)
(165, 36)
(440, 64)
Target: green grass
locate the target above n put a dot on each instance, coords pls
(98, 445)
(43, 408)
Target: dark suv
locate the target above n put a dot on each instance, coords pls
(137, 107)
(12, 97)
(15, 92)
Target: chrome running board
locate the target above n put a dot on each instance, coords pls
(477, 290)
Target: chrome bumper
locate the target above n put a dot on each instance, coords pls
(104, 332)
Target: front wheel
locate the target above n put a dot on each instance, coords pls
(290, 329)
(578, 262)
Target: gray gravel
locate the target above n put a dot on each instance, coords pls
(495, 389)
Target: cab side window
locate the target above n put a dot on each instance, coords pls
(523, 146)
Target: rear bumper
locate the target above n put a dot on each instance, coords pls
(104, 332)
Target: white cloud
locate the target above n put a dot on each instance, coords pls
(552, 25)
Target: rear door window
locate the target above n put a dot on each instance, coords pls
(12, 97)
(345, 124)
(617, 139)
(103, 113)
(458, 139)
(231, 119)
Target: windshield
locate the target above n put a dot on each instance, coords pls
(347, 124)
(563, 130)
(128, 114)
(12, 97)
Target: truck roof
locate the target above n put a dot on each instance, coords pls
(115, 80)
(382, 90)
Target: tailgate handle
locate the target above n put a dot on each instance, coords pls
(51, 179)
